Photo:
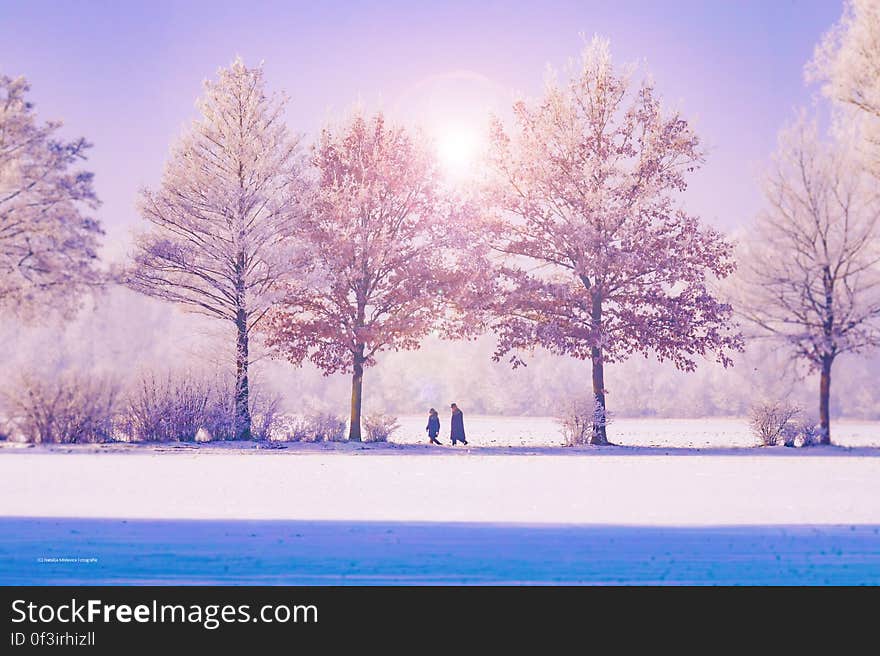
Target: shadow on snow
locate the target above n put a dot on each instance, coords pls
(112, 551)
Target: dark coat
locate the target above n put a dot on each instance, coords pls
(433, 426)
(457, 432)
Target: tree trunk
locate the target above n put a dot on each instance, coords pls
(242, 426)
(599, 417)
(357, 386)
(827, 358)
(824, 399)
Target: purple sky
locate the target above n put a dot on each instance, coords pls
(126, 75)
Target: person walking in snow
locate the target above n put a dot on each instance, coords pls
(457, 427)
(433, 426)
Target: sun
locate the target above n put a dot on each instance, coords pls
(453, 110)
(458, 149)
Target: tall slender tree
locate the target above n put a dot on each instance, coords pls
(601, 261)
(223, 217)
(813, 267)
(390, 247)
(48, 243)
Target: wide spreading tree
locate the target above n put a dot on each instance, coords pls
(600, 260)
(813, 264)
(392, 253)
(48, 243)
(223, 217)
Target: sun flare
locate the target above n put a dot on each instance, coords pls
(458, 149)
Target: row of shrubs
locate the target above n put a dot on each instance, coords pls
(773, 423)
(187, 407)
(327, 427)
(76, 409)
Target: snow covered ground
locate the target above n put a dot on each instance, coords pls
(486, 430)
(590, 486)
(398, 513)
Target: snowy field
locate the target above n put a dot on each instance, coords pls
(671, 508)
(685, 433)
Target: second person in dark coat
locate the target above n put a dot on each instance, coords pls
(457, 427)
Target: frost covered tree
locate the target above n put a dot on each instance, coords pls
(814, 263)
(390, 249)
(847, 60)
(223, 217)
(601, 260)
(48, 244)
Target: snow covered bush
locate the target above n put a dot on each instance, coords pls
(167, 409)
(66, 409)
(222, 418)
(319, 427)
(789, 434)
(291, 428)
(808, 431)
(576, 424)
(380, 427)
(772, 422)
(189, 407)
(578, 417)
(265, 410)
(327, 427)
